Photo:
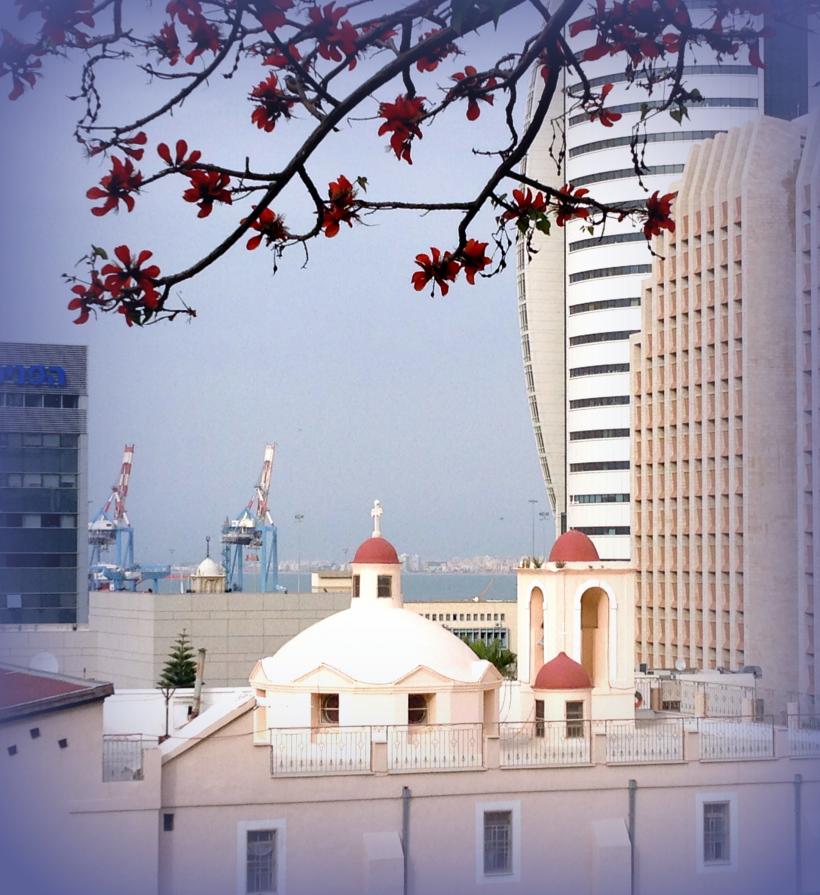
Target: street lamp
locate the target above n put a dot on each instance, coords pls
(543, 516)
(532, 502)
(298, 518)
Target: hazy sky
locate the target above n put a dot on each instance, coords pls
(369, 388)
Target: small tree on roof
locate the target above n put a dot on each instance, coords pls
(180, 667)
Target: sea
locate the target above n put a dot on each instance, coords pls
(416, 586)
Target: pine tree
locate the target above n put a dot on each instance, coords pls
(180, 667)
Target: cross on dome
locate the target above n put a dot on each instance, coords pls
(376, 513)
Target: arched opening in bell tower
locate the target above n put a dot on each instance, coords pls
(595, 635)
(536, 631)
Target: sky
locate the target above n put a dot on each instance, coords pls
(370, 389)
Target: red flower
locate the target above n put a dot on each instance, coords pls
(271, 13)
(283, 58)
(206, 188)
(124, 144)
(471, 85)
(166, 43)
(118, 185)
(436, 267)
(15, 60)
(431, 61)
(86, 296)
(130, 275)
(60, 17)
(341, 208)
(659, 214)
(178, 160)
(187, 11)
(605, 116)
(566, 209)
(526, 206)
(473, 259)
(335, 39)
(204, 36)
(271, 104)
(402, 118)
(268, 227)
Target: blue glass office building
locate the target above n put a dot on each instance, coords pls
(43, 484)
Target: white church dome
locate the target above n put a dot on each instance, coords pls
(208, 568)
(375, 645)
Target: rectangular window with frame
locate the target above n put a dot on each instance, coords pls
(716, 833)
(385, 586)
(328, 709)
(575, 719)
(260, 858)
(356, 585)
(418, 708)
(497, 843)
(539, 718)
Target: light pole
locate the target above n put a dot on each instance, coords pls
(532, 502)
(543, 516)
(298, 518)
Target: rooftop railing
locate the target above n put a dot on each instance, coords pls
(435, 747)
(544, 744)
(804, 736)
(736, 739)
(122, 757)
(300, 751)
(644, 742)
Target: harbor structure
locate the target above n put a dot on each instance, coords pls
(579, 295)
(725, 417)
(43, 484)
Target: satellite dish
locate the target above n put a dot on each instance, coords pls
(44, 662)
(680, 665)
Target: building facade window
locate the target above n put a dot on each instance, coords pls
(591, 338)
(716, 832)
(599, 465)
(575, 719)
(589, 434)
(357, 584)
(328, 709)
(498, 842)
(539, 718)
(603, 401)
(418, 708)
(384, 586)
(260, 860)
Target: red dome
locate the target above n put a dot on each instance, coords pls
(562, 673)
(574, 546)
(376, 551)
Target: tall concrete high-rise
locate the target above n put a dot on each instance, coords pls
(579, 295)
(725, 415)
(43, 484)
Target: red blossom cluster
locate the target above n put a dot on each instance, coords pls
(283, 58)
(659, 214)
(61, 19)
(206, 188)
(430, 61)
(472, 86)
(178, 160)
(202, 34)
(119, 185)
(442, 268)
(166, 43)
(534, 208)
(15, 60)
(271, 104)
(88, 296)
(270, 227)
(124, 144)
(335, 37)
(341, 206)
(599, 113)
(271, 13)
(401, 120)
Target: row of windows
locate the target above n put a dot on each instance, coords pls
(590, 434)
(716, 102)
(597, 369)
(665, 137)
(326, 708)
(262, 855)
(599, 498)
(604, 529)
(485, 635)
(38, 439)
(589, 338)
(617, 77)
(605, 401)
(38, 560)
(384, 586)
(38, 616)
(624, 173)
(612, 239)
(605, 304)
(599, 465)
(36, 602)
(28, 399)
(465, 616)
(37, 480)
(601, 272)
(38, 520)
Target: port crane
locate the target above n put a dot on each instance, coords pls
(111, 527)
(253, 528)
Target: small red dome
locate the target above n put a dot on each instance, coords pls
(376, 551)
(562, 673)
(574, 546)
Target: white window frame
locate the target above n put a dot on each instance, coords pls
(514, 876)
(702, 799)
(244, 827)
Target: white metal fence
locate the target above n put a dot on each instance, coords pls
(435, 747)
(300, 751)
(804, 736)
(532, 744)
(122, 757)
(735, 739)
(644, 742)
(720, 700)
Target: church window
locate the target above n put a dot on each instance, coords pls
(329, 709)
(356, 585)
(417, 708)
(575, 719)
(385, 585)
